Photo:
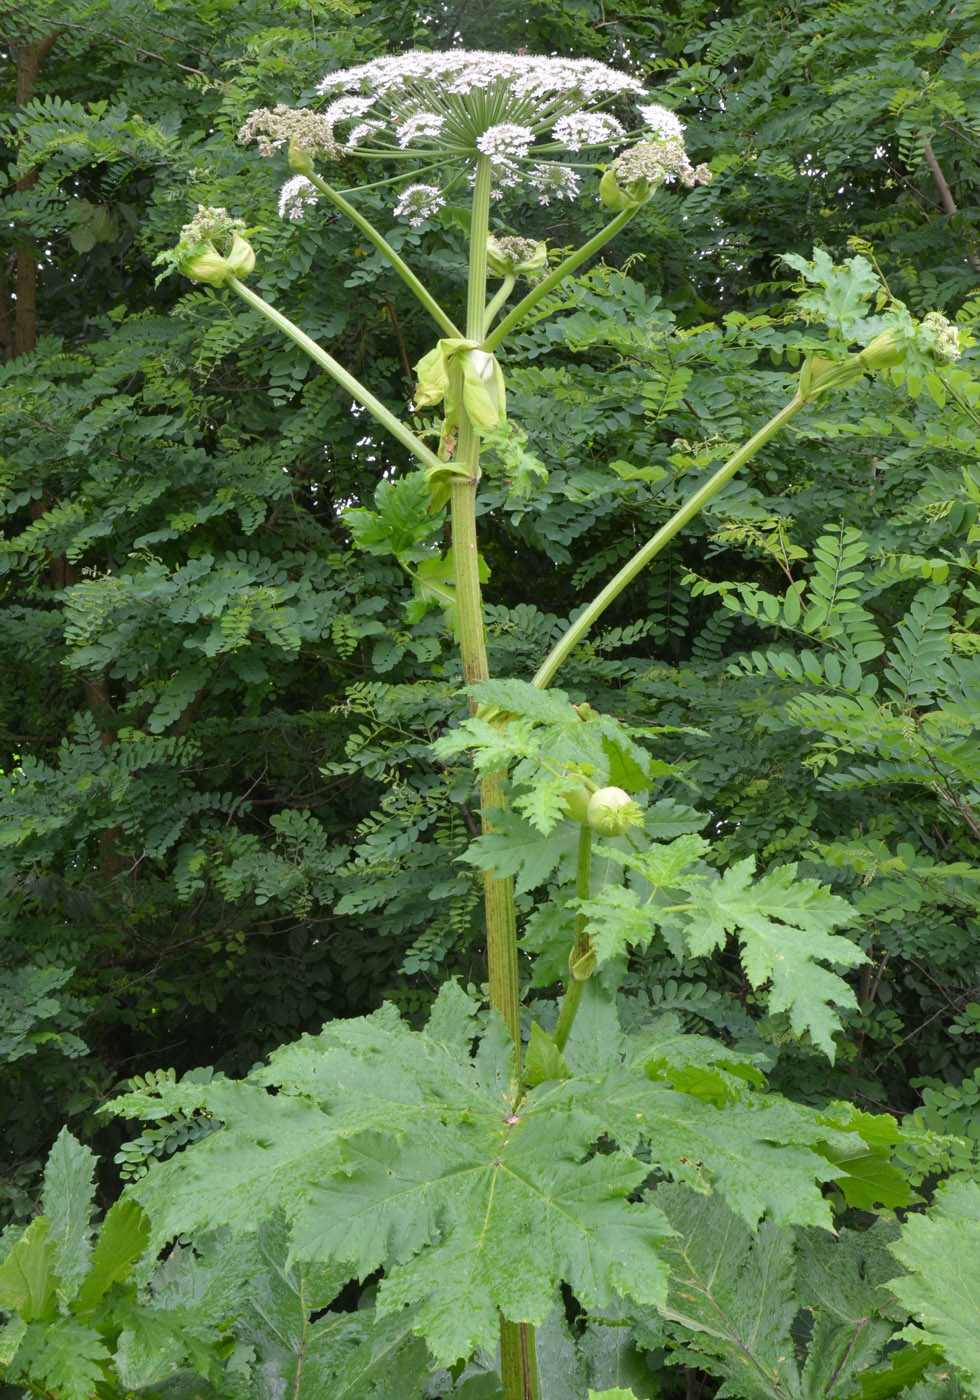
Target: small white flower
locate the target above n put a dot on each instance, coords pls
(420, 125)
(663, 122)
(580, 129)
(295, 194)
(418, 203)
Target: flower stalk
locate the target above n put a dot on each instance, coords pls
(424, 455)
(441, 318)
(577, 630)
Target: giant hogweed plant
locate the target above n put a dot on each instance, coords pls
(507, 1159)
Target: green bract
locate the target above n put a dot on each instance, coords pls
(458, 372)
(508, 257)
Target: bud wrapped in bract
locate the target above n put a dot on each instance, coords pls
(512, 257)
(611, 812)
(460, 374)
(212, 248)
(300, 159)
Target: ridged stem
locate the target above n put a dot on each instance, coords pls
(582, 944)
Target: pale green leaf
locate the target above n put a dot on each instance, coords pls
(124, 1236)
(28, 1283)
(543, 1060)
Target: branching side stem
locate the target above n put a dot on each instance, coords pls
(384, 247)
(577, 630)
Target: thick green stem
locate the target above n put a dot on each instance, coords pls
(548, 284)
(384, 247)
(354, 387)
(518, 1364)
(516, 1339)
(577, 630)
(578, 962)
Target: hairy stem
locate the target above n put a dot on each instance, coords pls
(518, 1364)
(578, 962)
(354, 387)
(516, 1339)
(384, 247)
(577, 630)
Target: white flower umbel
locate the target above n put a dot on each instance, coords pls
(664, 123)
(581, 129)
(553, 182)
(310, 131)
(295, 194)
(418, 203)
(453, 108)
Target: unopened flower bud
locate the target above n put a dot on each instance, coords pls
(612, 812)
(205, 264)
(884, 352)
(300, 159)
(197, 254)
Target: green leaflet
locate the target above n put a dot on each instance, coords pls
(795, 1314)
(783, 924)
(941, 1251)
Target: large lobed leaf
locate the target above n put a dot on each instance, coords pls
(408, 1152)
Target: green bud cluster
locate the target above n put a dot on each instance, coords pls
(213, 248)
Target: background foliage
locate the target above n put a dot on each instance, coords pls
(222, 824)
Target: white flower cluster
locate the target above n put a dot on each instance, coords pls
(664, 123)
(311, 131)
(462, 72)
(553, 181)
(942, 336)
(580, 129)
(417, 203)
(422, 126)
(295, 194)
(210, 225)
(658, 163)
(519, 110)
